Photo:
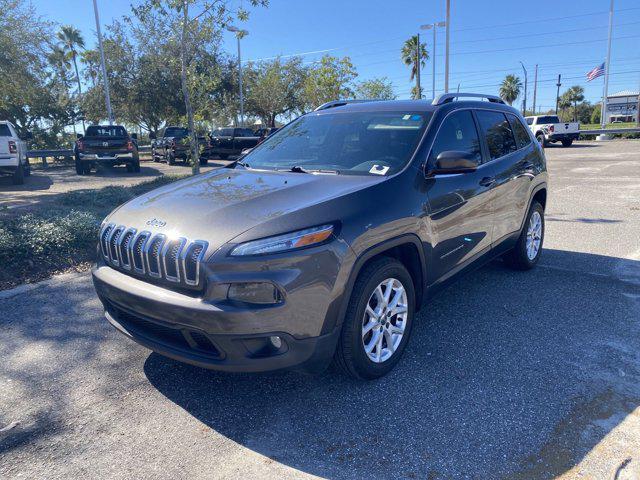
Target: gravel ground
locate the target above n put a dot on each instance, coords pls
(44, 185)
(507, 375)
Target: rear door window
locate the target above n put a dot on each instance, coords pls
(521, 133)
(497, 132)
(4, 130)
(457, 132)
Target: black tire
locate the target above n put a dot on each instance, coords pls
(567, 143)
(18, 175)
(171, 159)
(204, 161)
(136, 164)
(517, 258)
(541, 140)
(130, 167)
(350, 356)
(223, 156)
(27, 168)
(86, 168)
(79, 167)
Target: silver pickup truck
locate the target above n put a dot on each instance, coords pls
(13, 153)
(549, 129)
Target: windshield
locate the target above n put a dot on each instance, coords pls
(176, 132)
(105, 131)
(548, 119)
(360, 143)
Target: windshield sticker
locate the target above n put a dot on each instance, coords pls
(379, 169)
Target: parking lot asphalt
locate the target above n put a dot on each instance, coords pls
(508, 374)
(45, 184)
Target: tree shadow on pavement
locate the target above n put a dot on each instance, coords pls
(507, 373)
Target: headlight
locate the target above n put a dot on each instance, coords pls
(288, 241)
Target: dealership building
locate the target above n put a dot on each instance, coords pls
(622, 106)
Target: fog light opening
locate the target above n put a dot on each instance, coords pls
(259, 293)
(276, 341)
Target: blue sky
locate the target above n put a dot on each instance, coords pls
(488, 39)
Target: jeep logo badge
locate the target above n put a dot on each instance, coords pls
(154, 222)
(105, 144)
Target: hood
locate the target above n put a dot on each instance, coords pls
(220, 205)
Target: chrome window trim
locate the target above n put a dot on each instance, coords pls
(182, 242)
(147, 250)
(128, 250)
(183, 258)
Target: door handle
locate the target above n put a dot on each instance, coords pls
(487, 181)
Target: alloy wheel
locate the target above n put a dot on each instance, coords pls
(384, 320)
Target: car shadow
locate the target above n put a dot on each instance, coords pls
(31, 183)
(507, 373)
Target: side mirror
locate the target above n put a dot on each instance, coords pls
(134, 136)
(454, 161)
(152, 136)
(79, 136)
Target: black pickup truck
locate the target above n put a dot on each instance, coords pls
(231, 141)
(173, 144)
(107, 145)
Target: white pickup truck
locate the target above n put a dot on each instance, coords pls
(549, 129)
(13, 153)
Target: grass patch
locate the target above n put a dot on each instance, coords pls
(36, 245)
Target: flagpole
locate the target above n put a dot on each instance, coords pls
(603, 114)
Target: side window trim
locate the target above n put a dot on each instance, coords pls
(514, 118)
(484, 148)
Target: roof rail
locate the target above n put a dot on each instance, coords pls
(340, 103)
(449, 97)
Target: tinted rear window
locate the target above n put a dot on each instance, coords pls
(176, 132)
(497, 132)
(244, 132)
(4, 130)
(548, 119)
(105, 131)
(223, 132)
(522, 134)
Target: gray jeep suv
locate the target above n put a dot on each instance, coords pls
(320, 245)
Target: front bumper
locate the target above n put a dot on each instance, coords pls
(203, 329)
(94, 157)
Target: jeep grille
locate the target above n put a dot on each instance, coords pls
(152, 255)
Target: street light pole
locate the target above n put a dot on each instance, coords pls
(418, 87)
(239, 34)
(535, 88)
(558, 93)
(524, 101)
(446, 54)
(107, 98)
(433, 54)
(603, 119)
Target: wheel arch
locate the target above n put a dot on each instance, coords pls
(407, 249)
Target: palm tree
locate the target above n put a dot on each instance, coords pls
(59, 60)
(510, 88)
(575, 94)
(71, 40)
(409, 53)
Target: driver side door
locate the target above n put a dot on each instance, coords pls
(460, 204)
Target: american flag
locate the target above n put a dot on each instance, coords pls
(596, 72)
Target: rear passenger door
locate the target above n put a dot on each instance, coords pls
(461, 206)
(510, 156)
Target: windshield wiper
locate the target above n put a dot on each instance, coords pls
(299, 169)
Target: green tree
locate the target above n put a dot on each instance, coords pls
(375, 88)
(510, 88)
(71, 41)
(410, 52)
(574, 95)
(195, 23)
(329, 79)
(274, 88)
(595, 113)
